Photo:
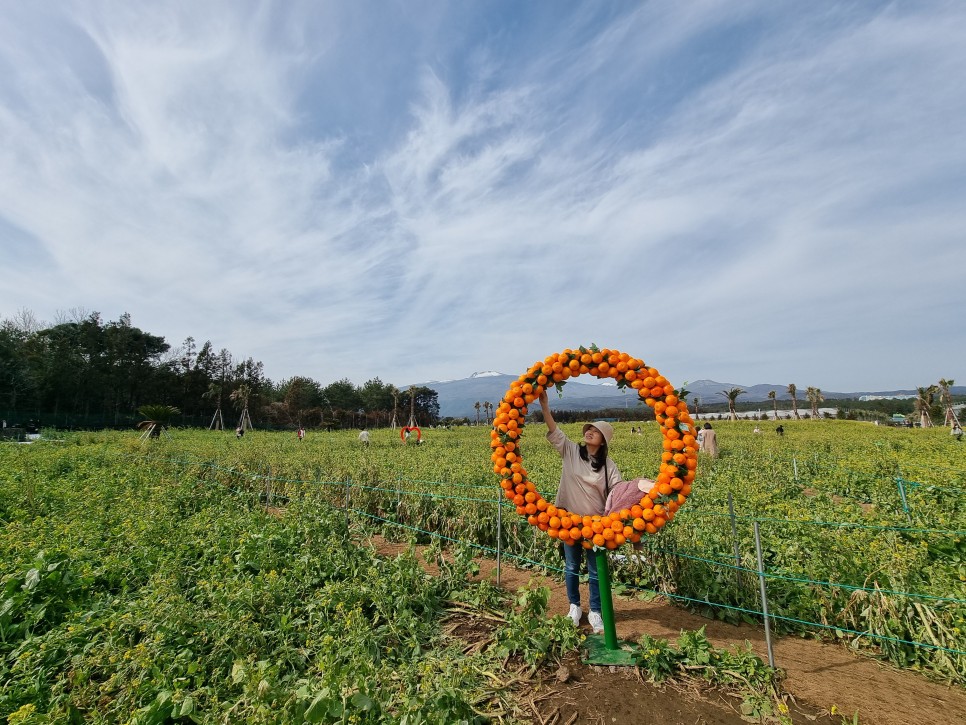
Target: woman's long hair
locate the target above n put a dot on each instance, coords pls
(597, 460)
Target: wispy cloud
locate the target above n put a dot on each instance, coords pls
(733, 191)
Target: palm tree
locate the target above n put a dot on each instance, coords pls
(946, 399)
(214, 393)
(773, 397)
(477, 406)
(925, 400)
(158, 419)
(240, 398)
(487, 407)
(732, 396)
(815, 397)
(696, 401)
(793, 392)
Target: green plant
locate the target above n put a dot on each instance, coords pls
(530, 634)
(738, 670)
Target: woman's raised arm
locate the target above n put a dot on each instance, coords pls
(547, 415)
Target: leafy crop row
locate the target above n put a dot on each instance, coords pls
(162, 580)
(139, 591)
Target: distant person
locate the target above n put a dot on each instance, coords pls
(239, 431)
(957, 431)
(756, 430)
(300, 433)
(709, 441)
(364, 437)
(780, 430)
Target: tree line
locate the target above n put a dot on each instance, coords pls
(84, 372)
(931, 403)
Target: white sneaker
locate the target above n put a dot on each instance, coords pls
(575, 614)
(596, 622)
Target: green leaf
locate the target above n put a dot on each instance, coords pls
(187, 706)
(32, 580)
(363, 702)
(319, 706)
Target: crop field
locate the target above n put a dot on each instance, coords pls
(204, 578)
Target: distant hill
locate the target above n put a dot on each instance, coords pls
(458, 397)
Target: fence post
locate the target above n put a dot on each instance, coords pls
(795, 467)
(902, 495)
(499, 535)
(268, 487)
(348, 489)
(734, 529)
(764, 597)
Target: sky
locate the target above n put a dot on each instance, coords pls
(746, 191)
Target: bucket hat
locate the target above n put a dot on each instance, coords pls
(605, 428)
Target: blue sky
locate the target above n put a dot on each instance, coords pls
(752, 192)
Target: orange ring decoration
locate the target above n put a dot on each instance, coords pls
(678, 460)
(405, 428)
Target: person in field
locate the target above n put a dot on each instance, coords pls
(586, 480)
(709, 441)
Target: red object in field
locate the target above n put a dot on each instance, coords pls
(407, 429)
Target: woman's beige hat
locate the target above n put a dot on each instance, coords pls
(605, 428)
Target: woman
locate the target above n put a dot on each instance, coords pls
(585, 481)
(709, 441)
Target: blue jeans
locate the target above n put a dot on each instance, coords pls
(573, 556)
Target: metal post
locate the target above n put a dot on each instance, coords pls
(499, 535)
(606, 602)
(269, 500)
(902, 495)
(795, 466)
(348, 490)
(764, 597)
(734, 529)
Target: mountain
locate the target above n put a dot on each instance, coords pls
(458, 397)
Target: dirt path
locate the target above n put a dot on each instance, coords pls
(819, 676)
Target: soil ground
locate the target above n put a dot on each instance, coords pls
(822, 678)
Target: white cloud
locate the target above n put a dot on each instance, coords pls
(732, 192)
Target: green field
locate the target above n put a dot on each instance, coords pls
(146, 582)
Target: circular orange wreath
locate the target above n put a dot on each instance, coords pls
(678, 460)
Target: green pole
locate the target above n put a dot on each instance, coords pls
(606, 602)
